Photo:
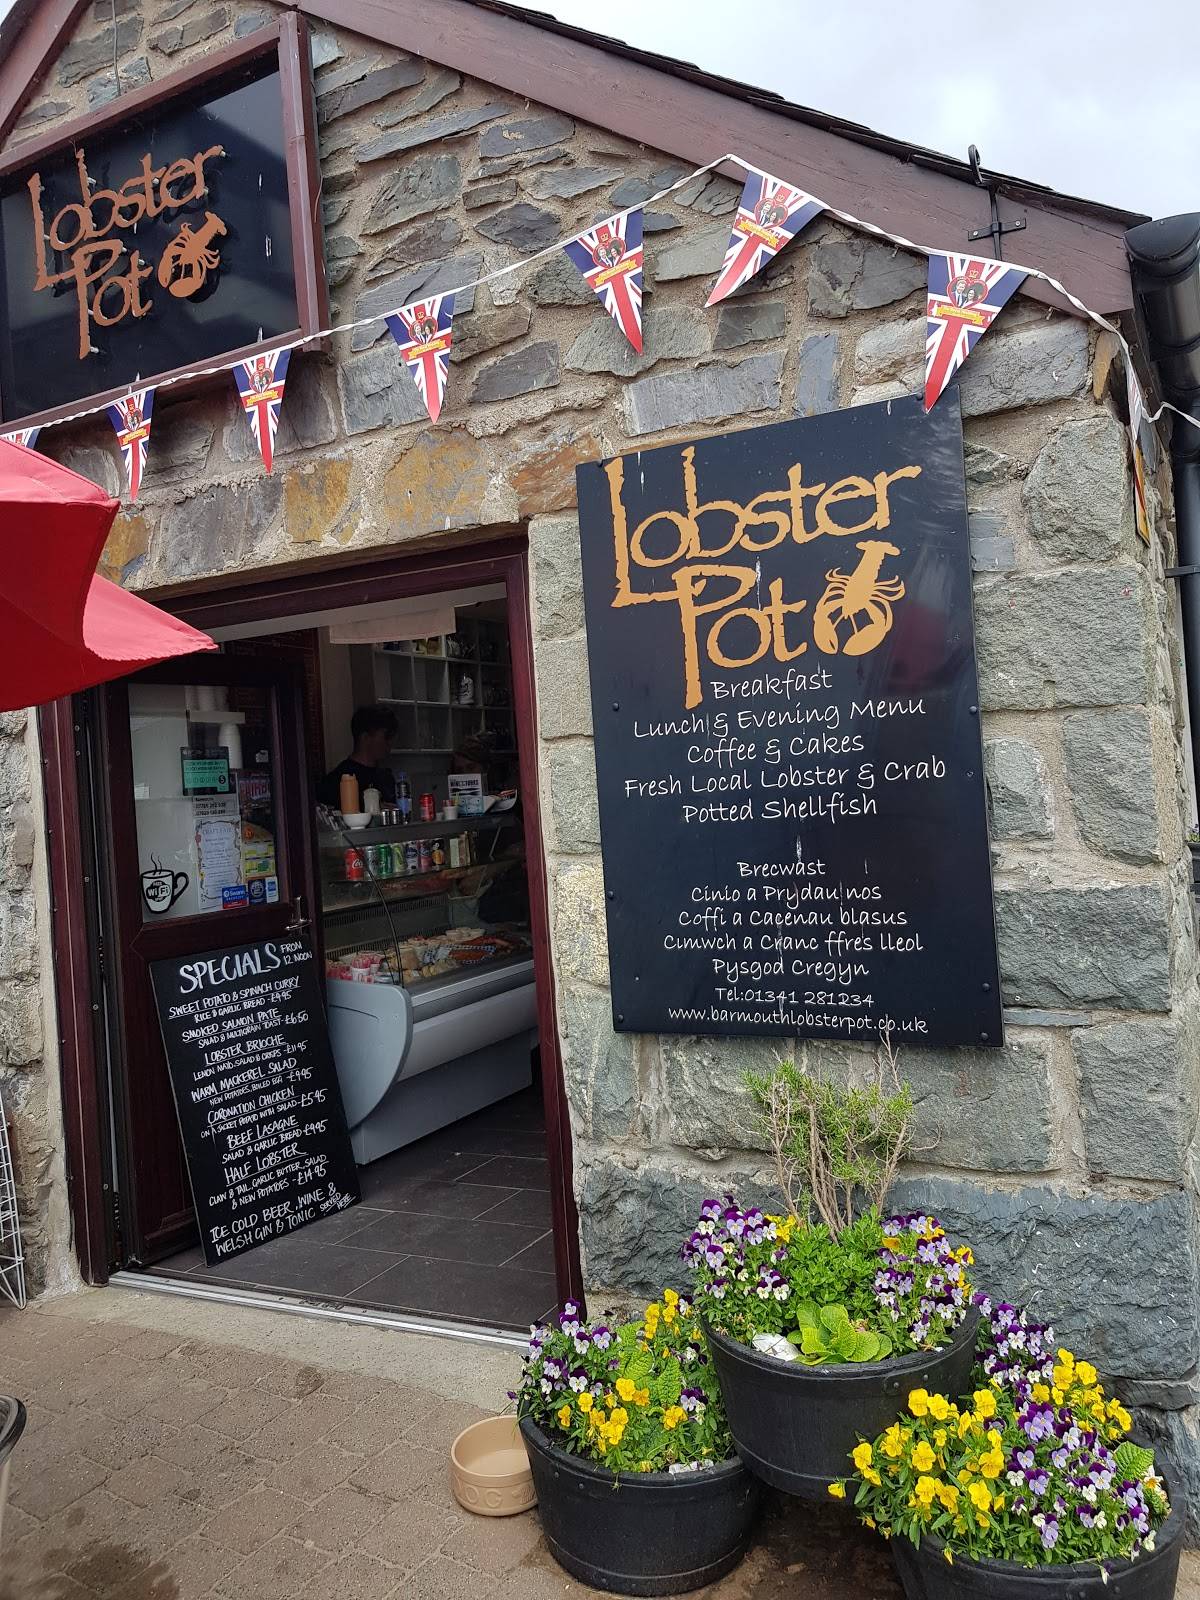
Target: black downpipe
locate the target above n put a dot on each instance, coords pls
(1187, 524)
(1165, 263)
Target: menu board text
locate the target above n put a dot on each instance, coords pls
(787, 732)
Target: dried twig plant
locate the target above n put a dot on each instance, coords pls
(831, 1143)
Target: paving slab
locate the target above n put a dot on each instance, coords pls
(183, 1450)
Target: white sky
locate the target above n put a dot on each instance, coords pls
(1099, 98)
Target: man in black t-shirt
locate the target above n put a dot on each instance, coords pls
(373, 729)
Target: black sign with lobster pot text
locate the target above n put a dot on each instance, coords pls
(787, 732)
(164, 241)
(260, 1110)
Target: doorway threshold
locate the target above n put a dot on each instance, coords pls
(318, 1311)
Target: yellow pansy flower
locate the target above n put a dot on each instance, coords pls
(1086, 1373)
(670, 1297)
(939, 1407)
(673, 1416)
(1040, 1393)
(641, 1397)
(991, 1465)
(939, 1438)
(918, 1402)
(626, 1388)
(949, 1554)
(585, 1402)
(620, 1416)
(923, 1457)
(948, 1495)
(838, 1491)
(926, 1491)
(981, 1496)
(985, 1404)
(861, 1455)
(564, 1416)
(998, 1503)
(891, 1242)
(871, 1476)
(893, 1442)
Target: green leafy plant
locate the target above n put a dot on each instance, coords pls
(826, 1336)
(832, 1142)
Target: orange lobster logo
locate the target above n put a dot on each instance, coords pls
(856, 595)
(190, 257)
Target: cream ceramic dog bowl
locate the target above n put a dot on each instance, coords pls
(489, 1470)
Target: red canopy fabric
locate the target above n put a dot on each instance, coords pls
(62, 628)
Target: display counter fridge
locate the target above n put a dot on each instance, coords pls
(429, 975)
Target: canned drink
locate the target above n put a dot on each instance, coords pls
(412, 856)
(428, 807)
(387, 865)
(439, 853)
(356, 868)
(376, 865)
(424, 856)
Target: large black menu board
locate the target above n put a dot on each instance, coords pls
(788, 758)
(260, 1111)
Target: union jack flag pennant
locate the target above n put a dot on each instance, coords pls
(260, 382)
(966, 294)
(130, 416)
(27, 437)
(423, 331)
(769, 215)
(610, 258)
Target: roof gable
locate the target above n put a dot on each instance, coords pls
(924, 197)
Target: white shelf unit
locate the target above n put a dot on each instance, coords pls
(444, 689)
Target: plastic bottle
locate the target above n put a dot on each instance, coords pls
(348, 794)
(403, 799)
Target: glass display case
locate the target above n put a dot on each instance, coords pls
(429, 973)
(409, 905)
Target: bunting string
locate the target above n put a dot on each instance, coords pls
(730, 158)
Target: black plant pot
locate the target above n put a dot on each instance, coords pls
(795, 1426)
(640, 1533)
(927, 1575)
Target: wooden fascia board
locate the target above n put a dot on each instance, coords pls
(47, 28)
(695, 123)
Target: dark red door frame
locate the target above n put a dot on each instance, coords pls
(389, 578)
(72, 887)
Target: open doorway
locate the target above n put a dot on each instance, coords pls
(400, 742)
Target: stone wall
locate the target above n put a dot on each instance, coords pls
(1067, 1157)
(28, 1059)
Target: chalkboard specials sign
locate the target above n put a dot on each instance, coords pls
(259, 1107)
(787, 732)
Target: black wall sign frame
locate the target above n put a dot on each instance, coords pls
(256, 1092)
(170, 230)
(787, 740)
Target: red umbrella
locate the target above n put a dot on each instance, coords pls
(62, 628)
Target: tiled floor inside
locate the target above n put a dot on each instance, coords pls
(456, 1225)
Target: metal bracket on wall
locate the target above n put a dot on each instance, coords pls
(996, 229)
(1181, 572)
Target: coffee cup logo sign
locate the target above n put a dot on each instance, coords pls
(161, 887)
(96, 238)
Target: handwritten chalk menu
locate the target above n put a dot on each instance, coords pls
(787, 732)
(260, 1111)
